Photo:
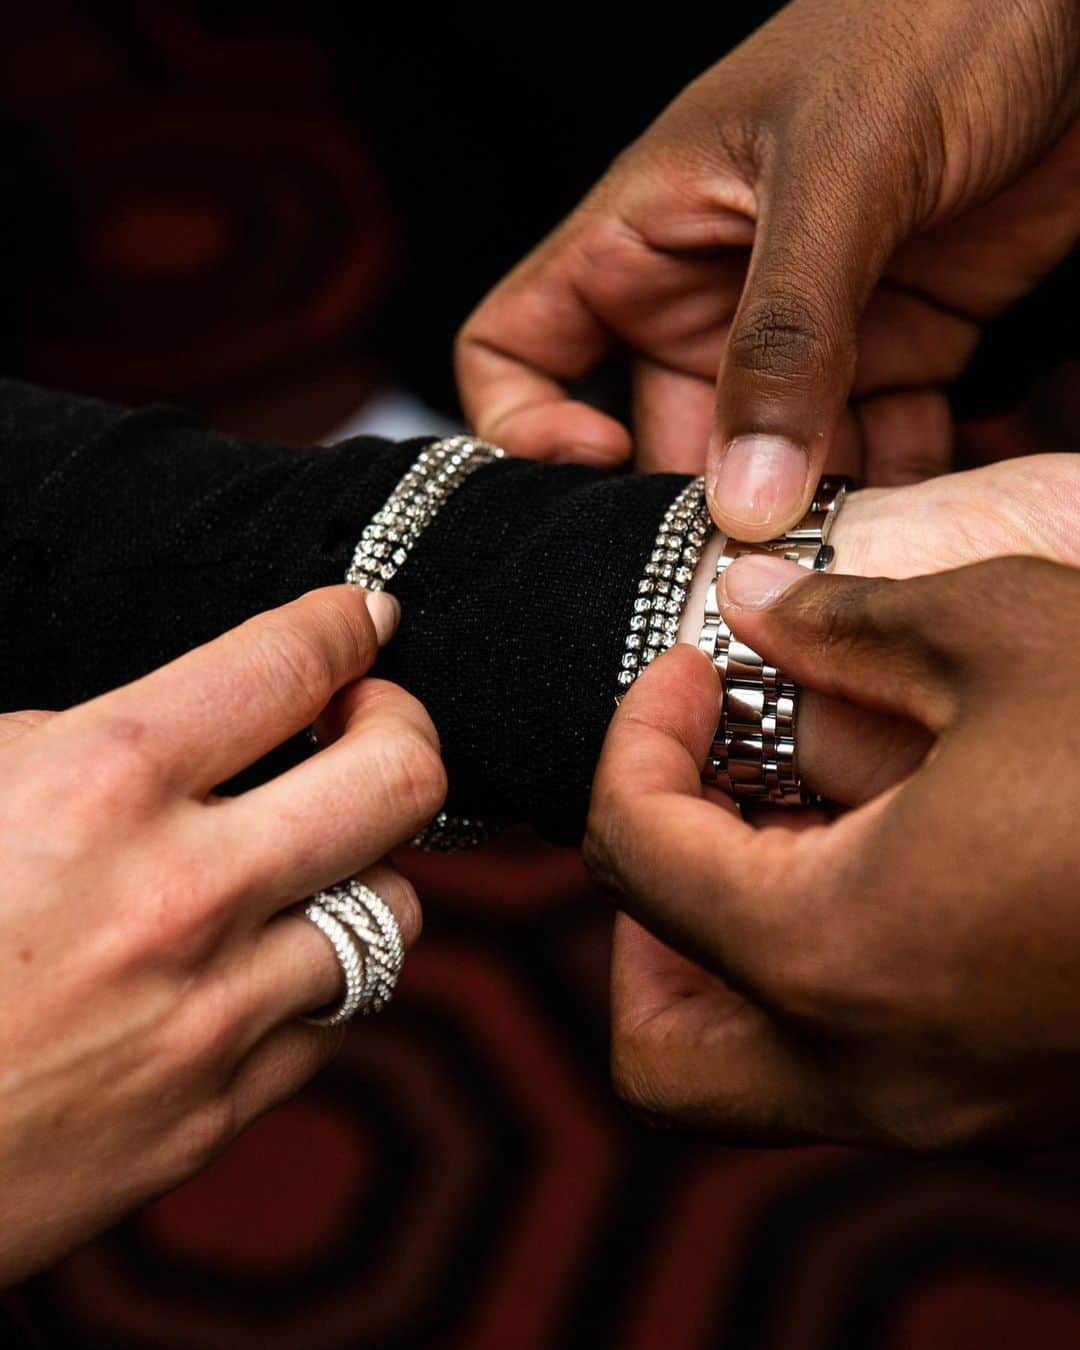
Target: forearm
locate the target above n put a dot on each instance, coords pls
(128, 538)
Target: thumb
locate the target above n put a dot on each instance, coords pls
(789, 361)
(873, 642)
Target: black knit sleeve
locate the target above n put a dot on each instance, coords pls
(126, 538)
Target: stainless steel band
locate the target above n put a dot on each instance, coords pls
(753, 756)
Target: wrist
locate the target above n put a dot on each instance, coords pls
(849, 537)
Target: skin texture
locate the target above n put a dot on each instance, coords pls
(151, 982)
(901, 976)
(800, 253)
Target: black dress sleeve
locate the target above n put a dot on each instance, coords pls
(128, 537)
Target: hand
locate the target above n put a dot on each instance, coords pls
(1031, 506)
(151, 982)
(902, 976)
(835, 210)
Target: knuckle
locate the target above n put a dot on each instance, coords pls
(104, 776)
(400, 894)
(853, 618)
(205, 1132)
(119, 764)
(600, 847)
(400, 708)
(840, 631)
(411, 773)
(635, 1085)
(286, 658)
(203, 1034)
(644, 1081)
(818, 978)
(177, 918)
(844, 619)
(783, 337)
(293, 660)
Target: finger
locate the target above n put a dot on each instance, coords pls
(908, 342)
(516, 354)
(673, 411)
(379, 783)
(18, 723)
(927, 648)
(279, 1066)
(850, 754)
(878, 643)
(744, 901)
(909, 436)
(290, 968)
(224, 705)
(821, 243)
(561, 430)
(689, 1050)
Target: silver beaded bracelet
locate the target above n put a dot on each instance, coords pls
(436, 474)
(662, 591)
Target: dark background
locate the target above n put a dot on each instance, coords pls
(270, 213)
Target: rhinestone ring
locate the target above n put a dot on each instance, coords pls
(373, 953)
(352, 966)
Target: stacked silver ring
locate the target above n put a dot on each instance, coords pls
(367, 942)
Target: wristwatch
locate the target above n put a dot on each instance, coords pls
(753, 756)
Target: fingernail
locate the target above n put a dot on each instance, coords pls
(385, 614)
(760, 479)
(756, 580)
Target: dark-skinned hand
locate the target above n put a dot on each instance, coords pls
(800, 254)
(903, 975)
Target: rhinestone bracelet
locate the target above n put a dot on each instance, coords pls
(662, 591)
(436, 474)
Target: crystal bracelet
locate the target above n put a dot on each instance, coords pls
(436, 474)
(662, 591)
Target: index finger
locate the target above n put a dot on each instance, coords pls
(222, 706)
(747, 902)
(517, 351)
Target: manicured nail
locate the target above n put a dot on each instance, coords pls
(385, 612)
(756, 580)
(760, 479)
